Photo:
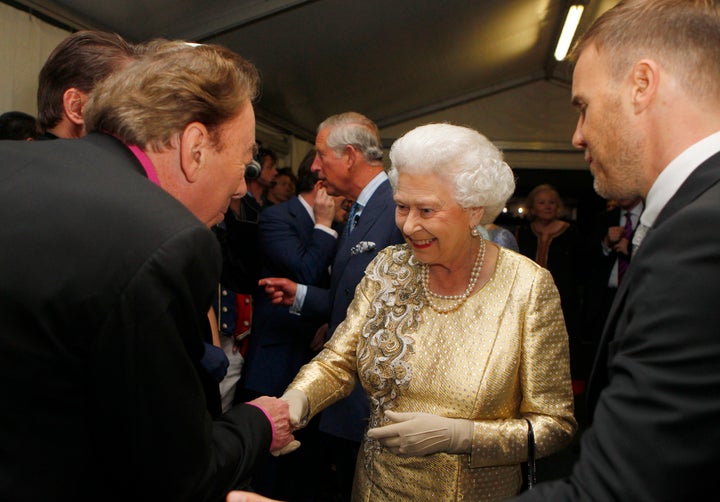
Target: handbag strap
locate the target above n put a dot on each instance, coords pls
(531, 480)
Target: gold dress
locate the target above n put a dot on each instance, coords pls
(501, 356)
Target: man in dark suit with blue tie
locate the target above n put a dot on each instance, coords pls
(647, 86)
(349, 161)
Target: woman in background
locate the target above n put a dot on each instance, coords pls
(556, 244)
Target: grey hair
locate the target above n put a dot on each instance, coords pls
(463, 157)
(351, 128)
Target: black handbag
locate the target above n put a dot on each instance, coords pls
(531, 479)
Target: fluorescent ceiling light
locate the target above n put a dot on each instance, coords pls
(568, 31)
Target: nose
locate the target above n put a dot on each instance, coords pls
(241, 189)
(315, 167)
(578, 140)
(410, 222)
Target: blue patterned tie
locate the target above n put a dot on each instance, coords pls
(353, 218)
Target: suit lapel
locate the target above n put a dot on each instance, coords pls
(370, 217)
(300, 217)
(379, 202)
(701, 179)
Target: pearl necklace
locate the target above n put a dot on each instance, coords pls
(457, 299)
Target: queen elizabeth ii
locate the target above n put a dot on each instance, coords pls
(457, 341)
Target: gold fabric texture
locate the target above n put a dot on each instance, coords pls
(501, 356)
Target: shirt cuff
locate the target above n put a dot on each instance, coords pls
(300, 294)
(326, 230)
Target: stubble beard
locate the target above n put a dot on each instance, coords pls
(619, 177)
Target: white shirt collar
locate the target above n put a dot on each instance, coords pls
(675, 174)
(370, 188)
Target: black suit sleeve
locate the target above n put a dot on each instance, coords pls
(655, 433)
(152, 419)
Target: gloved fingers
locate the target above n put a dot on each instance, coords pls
(399, 416)
(426, 446)
(288, 448)
(385, 431)
(391, 442)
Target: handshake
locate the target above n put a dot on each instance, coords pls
(286, 415)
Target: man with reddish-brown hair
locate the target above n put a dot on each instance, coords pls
(105, 284)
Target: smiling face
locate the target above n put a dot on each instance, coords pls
(605, 128)
(433, 224)
(545, 206)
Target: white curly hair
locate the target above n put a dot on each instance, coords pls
(463, 157)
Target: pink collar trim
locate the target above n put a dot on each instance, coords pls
(146, 163)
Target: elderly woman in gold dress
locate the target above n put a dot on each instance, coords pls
(456, 340)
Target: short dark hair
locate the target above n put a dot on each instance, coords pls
(81, 60)
(17, 125)
(265, 152)
(306, 178)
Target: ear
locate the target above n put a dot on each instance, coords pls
(351, 153)
(194, 144)
(475, 215)
(73, 103)
(645, 79)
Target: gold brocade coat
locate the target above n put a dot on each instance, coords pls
(501, 356)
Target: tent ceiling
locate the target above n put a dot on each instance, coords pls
(482, 63)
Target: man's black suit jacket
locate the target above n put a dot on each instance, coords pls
(654, 394)
(105, 284)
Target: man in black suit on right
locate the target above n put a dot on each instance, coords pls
(647, 86)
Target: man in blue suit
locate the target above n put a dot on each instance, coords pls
(297, 242)
(647, 86)
(349, 161)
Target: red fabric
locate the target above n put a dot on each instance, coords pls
(243, 323)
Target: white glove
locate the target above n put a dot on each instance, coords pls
(419, 434)
(298, 403)
(297, 409)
